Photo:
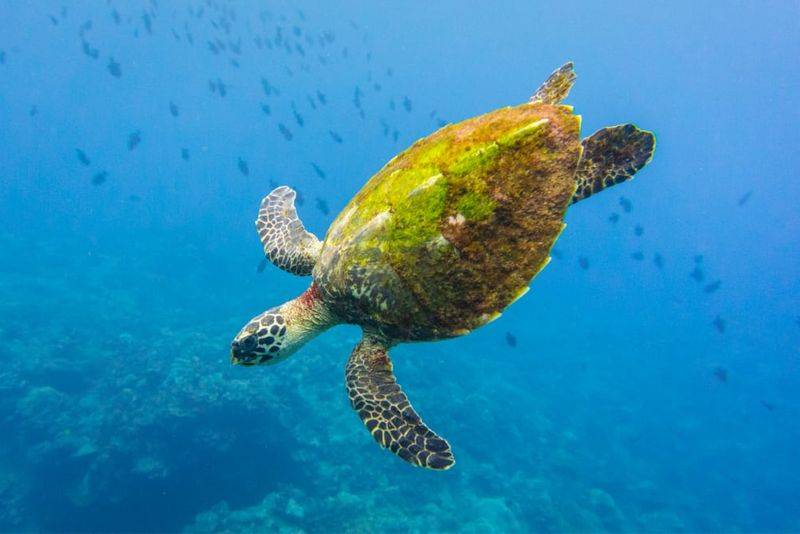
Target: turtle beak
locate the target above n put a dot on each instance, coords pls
(236, 353)
(242, 350)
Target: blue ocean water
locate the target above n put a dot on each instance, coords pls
(647, 382)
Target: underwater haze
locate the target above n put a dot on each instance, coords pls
(647, 382)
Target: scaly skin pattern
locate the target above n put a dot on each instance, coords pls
(453, 230)
(279, 332)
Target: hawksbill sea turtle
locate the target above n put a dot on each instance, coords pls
(436, 244)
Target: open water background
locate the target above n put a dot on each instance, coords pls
(618, 395)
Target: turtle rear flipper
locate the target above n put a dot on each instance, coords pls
(556, 87)
(611, 156)
(286, 242)
(386, 411)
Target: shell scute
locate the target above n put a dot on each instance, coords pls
(467, 217)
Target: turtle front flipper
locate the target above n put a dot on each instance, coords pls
(386, 411)
(556, 87)
(286, 242)
(611, 156)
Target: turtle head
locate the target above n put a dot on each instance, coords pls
(262, 340)
(279, 332)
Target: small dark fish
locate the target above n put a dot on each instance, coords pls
(2, 57)
(697, 274)
(243, 168)
(266, 109)
(407, 104)
(658, 259)
(285, 131)
(321, 97)
(185, 154)
(769, 405)
(148, 24)
(213, 48)
(441, 123)
(713, 286)
(511, 340)
(719, 324)
(698, 258)
(212, 85)
(173, 109)
(114, 68)
(395, 135)
(54, 20)
(626, 204)
(99, 178)
(317, 170)
(744, 198)
(115, 16)
(797, 320)
(556, 253)
(134, 139)
(262, 265)
(221, 88)
(299, 200)
(323, 206)
(721, 374)
(89, 50)
(298, 118)
(86, 26)
(638, 230)
(638, 256)
(82, 157)
(311, 102)
(583, 261)
(613, 218)
(269, 88)
(335, 136)
(33, 111)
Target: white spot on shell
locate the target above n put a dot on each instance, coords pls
(336, 229)
(373, 225)
(457, 220)
(531, 126)
(523, 132)
(426, 184)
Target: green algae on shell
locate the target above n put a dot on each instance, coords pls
(456, 226)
